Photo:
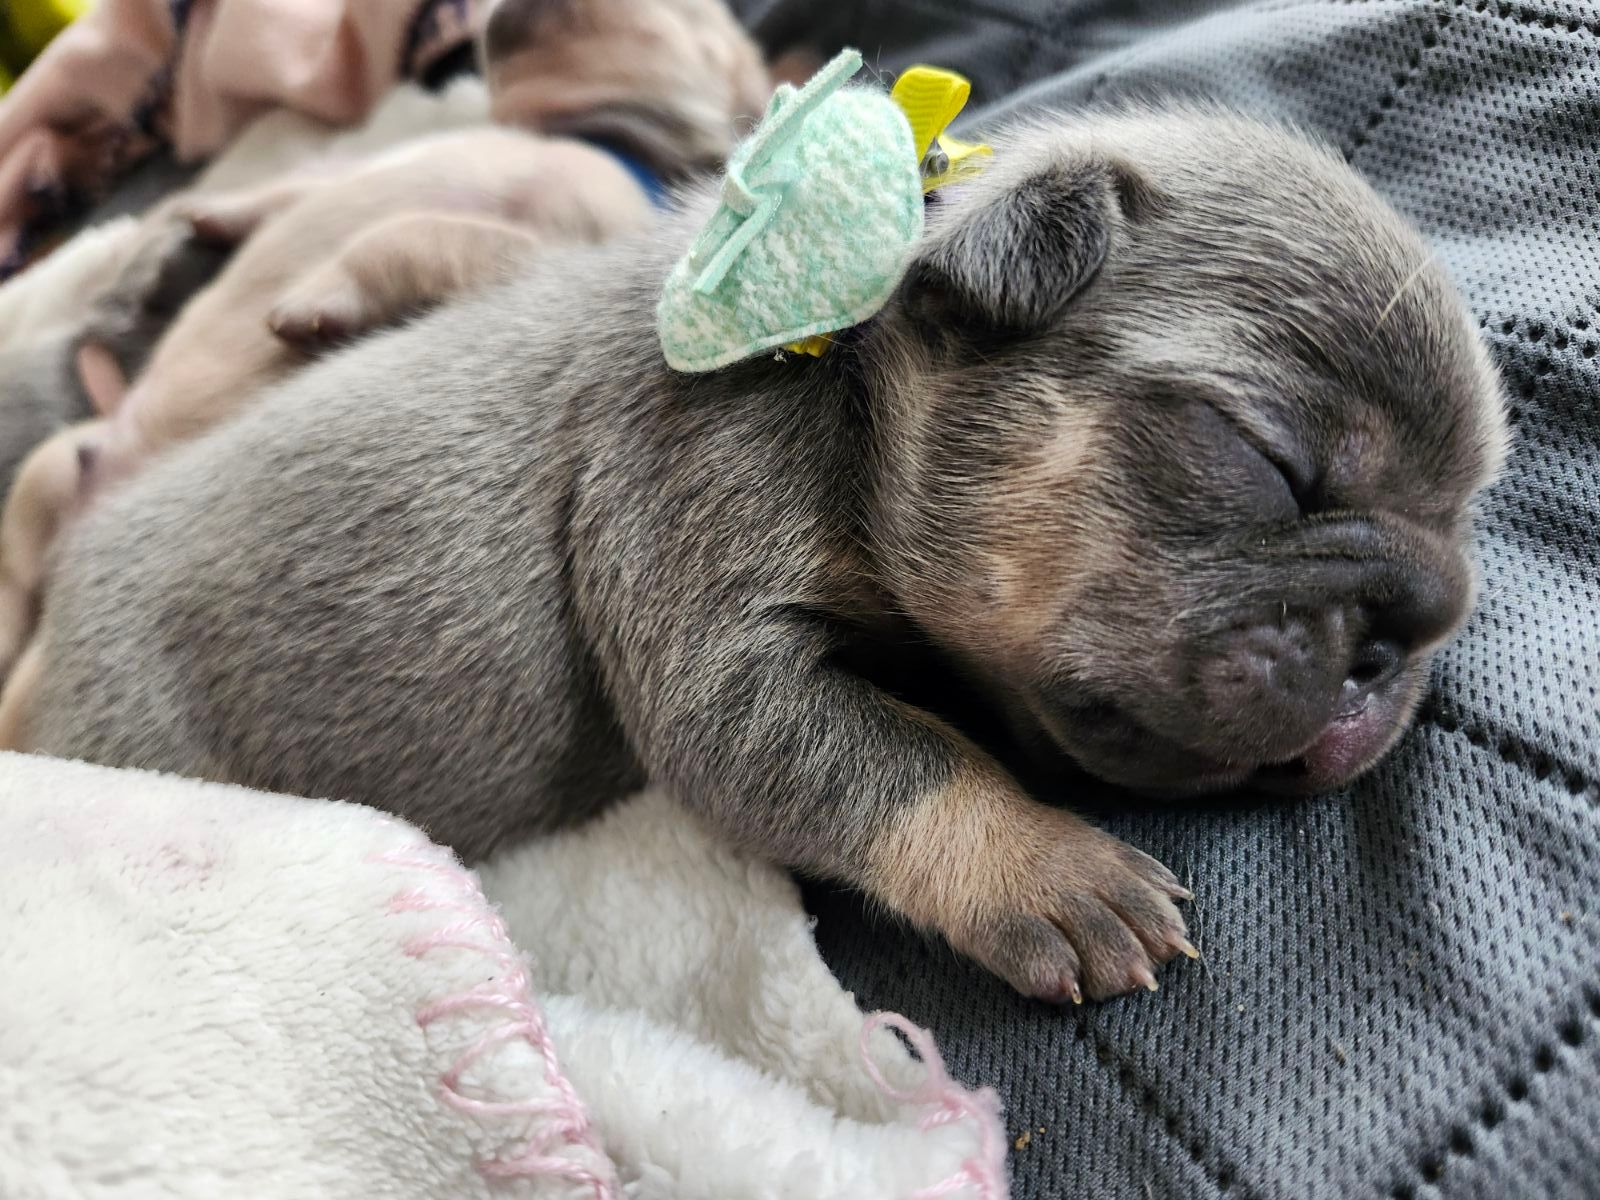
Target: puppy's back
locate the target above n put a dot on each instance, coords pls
(391, 523)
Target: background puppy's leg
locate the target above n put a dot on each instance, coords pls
(230, 217)
(17, 695)
(397, 268)
(47, 488)
(101, 375)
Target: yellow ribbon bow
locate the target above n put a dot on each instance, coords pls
(931, 98)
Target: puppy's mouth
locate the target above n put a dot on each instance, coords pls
(1117, 748)
(1350, 743)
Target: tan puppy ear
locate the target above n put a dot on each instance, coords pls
(101, 376)
(231, 217)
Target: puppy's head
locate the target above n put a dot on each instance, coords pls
(169, 267)
(1180, 430)
(80, 365)
(674, 83)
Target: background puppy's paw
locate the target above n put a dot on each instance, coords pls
(320, 311)
(230, 218)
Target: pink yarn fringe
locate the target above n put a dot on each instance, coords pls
(947, 1102)
(509, 993)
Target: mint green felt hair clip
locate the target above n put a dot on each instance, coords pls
(821, 209)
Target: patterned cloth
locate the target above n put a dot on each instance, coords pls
(1400, 995)
(134, 76)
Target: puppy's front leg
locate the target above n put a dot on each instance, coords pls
(815, 767)
(1053, 905)
(397, 269)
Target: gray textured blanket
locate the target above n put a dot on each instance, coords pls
(1400, 995)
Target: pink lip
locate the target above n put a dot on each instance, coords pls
(1344, 749)
(1345, 745)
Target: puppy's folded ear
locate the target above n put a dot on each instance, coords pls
(1011, 261)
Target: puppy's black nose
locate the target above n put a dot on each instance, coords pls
(1397, 583)
(1376, 662)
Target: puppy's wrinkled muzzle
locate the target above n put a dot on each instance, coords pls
(1317, 674)
(1265, 692)
(1298, 690)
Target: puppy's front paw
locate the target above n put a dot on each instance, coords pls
(1054, 906)
(1096, 922)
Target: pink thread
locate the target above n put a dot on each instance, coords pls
(947, 1102)
(510, 994)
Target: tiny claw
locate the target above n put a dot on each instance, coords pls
(1184, 945)
(1182, 893)
(1150, 985)
(1146, 980)
(1060, 990)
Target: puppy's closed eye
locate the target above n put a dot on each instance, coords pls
(1268, 480)
(1296, 477)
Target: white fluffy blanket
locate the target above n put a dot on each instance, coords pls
(210, 991)
(206, 991)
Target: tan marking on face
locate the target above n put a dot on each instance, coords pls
(1048, 528)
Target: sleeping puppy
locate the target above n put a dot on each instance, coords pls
(1167, 442)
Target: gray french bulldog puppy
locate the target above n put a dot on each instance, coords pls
(1166, 445)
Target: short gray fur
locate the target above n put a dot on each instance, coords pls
(1401, 993)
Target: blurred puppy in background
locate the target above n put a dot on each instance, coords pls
(75, 333)
(634, 98)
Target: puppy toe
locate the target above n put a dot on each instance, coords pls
(1033, 956)
(1154, 872)
(1152, 917)
(1112, 957)
(315, 324)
